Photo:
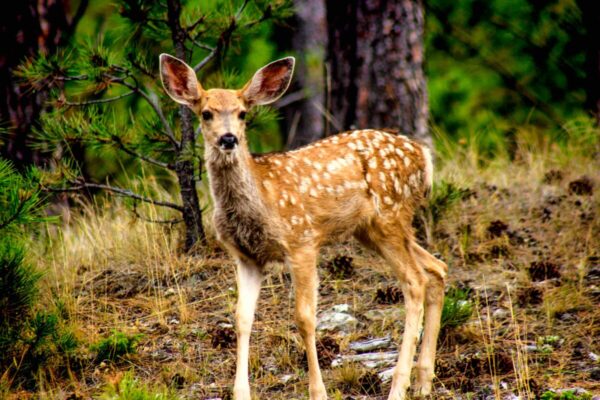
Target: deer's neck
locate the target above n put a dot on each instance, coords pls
(241, 218)
(232, 182)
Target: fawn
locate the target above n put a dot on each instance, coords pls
(282, 207)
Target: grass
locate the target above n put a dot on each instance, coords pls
(115, 273)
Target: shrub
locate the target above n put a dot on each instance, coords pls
(129, 388)
(565, 395)
(457, 308)
(116, 346)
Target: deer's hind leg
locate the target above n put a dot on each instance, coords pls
(395, 244)
(434, 301)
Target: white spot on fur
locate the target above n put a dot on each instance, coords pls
(373, 163)
(409, 146)
(388, 200)
(312, 192)
(368, 177)
(352, 146)
(386, 164)
(406, 162)
(277, 162)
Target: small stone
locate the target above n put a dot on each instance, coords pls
(368, 360)
(170, 292)
(337, 318)
(501, 313)
(370, 345)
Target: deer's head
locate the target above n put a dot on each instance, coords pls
(222, 112)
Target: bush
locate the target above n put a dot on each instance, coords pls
(130, 388)
(30, 340)
(565, 395)
(457, 308)
(116, 346)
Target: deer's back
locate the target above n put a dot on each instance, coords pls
(335, 185)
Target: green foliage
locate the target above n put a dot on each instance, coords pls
(565, 395)
(30, 340)
(494, 66)
(129, 388)
(20, 199)
(116, 346)
(457, 308)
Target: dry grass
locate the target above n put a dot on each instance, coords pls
(115, 272)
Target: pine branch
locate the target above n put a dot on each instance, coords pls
(223, 39)
(149, 160)
(99, 101)
(155, 106)
(113, 189)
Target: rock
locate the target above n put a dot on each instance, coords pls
(370, 345)
(337, 318)
(595, 357)
(500, 313)
(169, 292)
(369, 360)
(386, 375)
(286, 378)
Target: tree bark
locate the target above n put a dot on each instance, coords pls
(309, 41)
(375, 59)
(184, 167)
(28, 27)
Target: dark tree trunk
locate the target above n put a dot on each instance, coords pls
(375, 57)
(28, 27)
(591, 22)
(184, 168)
(309, 41)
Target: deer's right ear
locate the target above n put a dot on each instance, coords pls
(179, 80)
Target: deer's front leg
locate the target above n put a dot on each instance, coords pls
(306, 282)
(249, 280)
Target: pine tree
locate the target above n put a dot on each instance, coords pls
(123, 106)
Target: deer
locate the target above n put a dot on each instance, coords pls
(282, 207)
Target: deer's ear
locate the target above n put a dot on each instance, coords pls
(269, 82)
(179, 80)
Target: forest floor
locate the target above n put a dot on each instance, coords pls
(522, 241)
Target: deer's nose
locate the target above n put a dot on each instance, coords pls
(227, 141)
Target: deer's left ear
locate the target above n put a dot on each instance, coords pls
(269, 82)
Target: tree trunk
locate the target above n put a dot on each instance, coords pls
(309, 41)
(591, 22)
(28, 27)
(375, 58)
(184, 168)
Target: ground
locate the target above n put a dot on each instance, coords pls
(521, 237)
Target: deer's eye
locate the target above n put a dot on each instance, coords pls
(242, 115)
(207, 115)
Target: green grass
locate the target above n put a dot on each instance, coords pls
(457, 308)
(116, 346)
(130, 388)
